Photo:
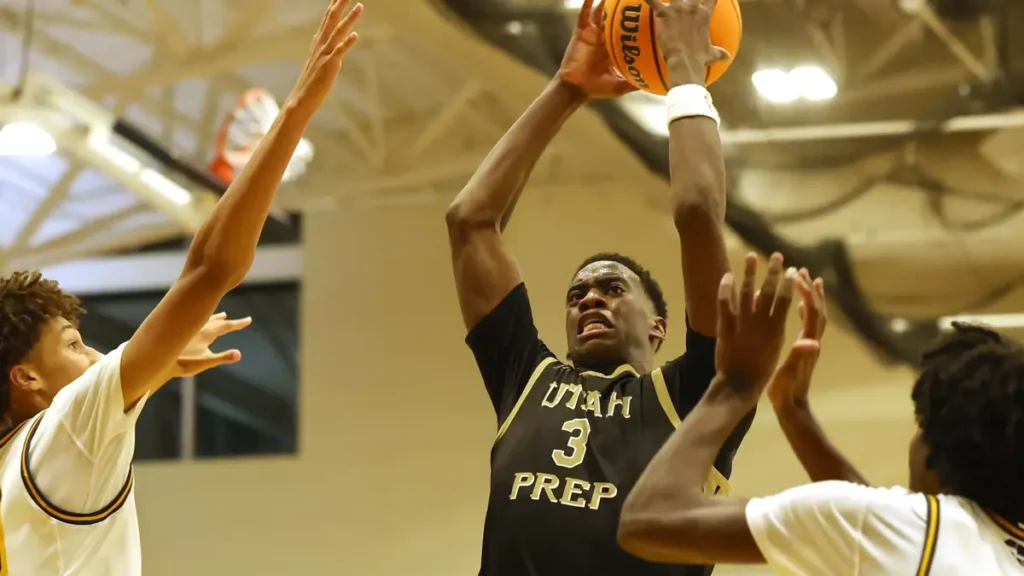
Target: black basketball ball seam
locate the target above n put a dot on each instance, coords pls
(610, 42)
(739, 29)
(739, 38)
(656, 51)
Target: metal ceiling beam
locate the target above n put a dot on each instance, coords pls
(285, 45)
(289, 44)
(115, 242)
(243, 22)
(57, 194)
(157, 271)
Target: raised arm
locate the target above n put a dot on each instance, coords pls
(668, 516)
(223, 249)
(696, 162)
(485, 271)
(788, 392)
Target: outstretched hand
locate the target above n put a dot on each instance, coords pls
(330, 44)
(586, 63)
(791, 382)
(197, 356)
(683, 30)
(751, 328)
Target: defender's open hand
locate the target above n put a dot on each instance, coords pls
(791, 382)
(332, 41)
(751, 328)
(197, 356)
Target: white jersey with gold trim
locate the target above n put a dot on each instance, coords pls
(844, 529)
(67, 505)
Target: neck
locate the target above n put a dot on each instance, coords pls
(19, 412)
(609, 366)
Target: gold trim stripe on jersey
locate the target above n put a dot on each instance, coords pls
(716, 482)
(55, 511)
(931, 537)
(1007, 526)
(522, 397)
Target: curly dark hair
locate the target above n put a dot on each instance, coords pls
(650, 285)
(969, 403)
(27, 302)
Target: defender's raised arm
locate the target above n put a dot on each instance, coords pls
(224, 247)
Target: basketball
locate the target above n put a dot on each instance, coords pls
(631, 42)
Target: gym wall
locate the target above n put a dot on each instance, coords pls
(395, 427)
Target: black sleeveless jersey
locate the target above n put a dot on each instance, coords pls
(571, 444)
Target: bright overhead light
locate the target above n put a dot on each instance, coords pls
(813, 83)
(573, 4)
(782, 87)
(775, 86)
(26, 139)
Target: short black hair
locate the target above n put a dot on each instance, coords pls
(969, 403)
(27, 302)
(650, 285)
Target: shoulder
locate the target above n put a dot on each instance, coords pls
(837, 502)
(512, 314)
(102, 379)
(838, 527)
(699, 356)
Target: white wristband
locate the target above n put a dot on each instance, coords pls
(690, 100)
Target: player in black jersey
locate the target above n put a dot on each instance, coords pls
(574, 437)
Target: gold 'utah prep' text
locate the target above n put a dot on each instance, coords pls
(570, 491)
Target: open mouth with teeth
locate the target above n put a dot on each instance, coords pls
(593, 326)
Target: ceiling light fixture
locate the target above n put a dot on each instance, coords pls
(26, 139)
(803, 82)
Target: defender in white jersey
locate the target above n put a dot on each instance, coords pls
(50, 525)
(961, 515)
(66, 486)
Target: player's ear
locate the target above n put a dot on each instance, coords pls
(23, 377)
(659, 329)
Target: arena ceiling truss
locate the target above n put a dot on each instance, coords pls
(408, 121)
(423, 99)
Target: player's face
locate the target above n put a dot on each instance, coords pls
(58, 358)
(609, 318)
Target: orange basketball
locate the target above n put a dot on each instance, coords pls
(631, 42)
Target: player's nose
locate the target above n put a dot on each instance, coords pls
(593, 299)
(93, 355)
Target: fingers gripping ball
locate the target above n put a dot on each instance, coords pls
(631, 42)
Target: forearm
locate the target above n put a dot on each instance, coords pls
(494, 189)
(666, 501)
(819, 457)
(218, 260)
(228, 239)
(697, 169)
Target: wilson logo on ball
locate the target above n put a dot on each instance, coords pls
(629, 36)
(629, 26)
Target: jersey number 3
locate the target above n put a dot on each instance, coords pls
(579, 433)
